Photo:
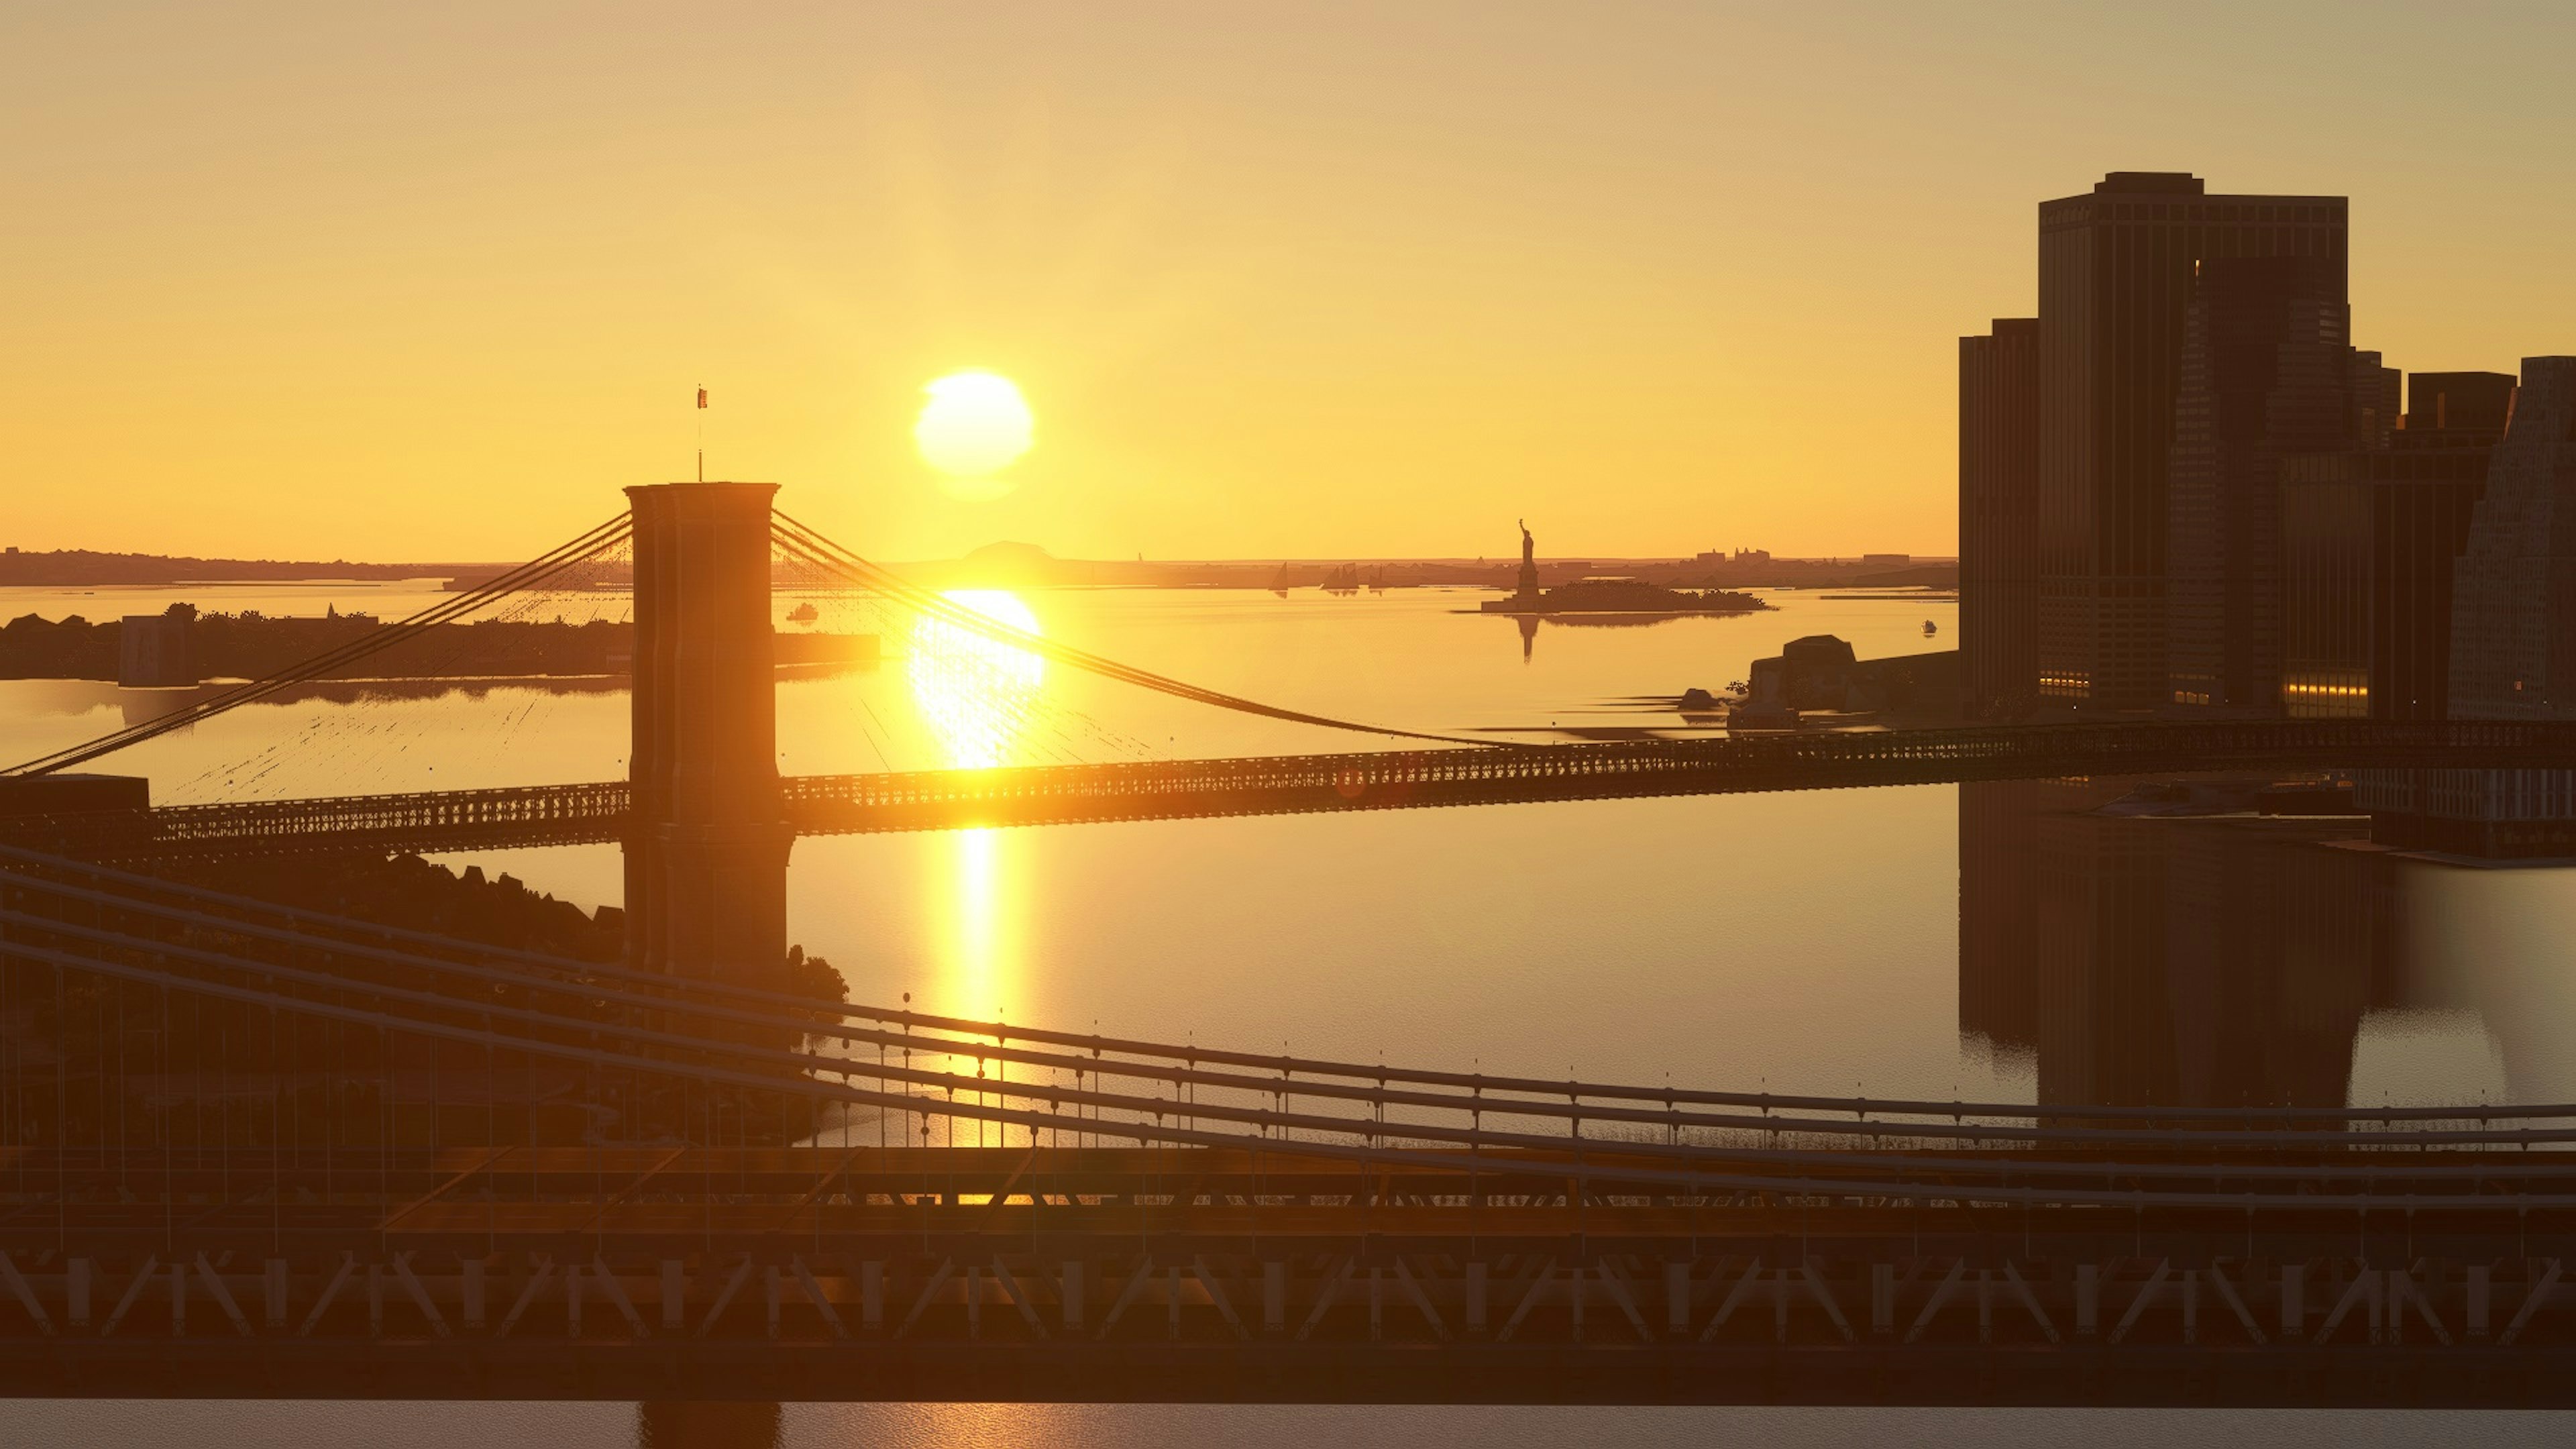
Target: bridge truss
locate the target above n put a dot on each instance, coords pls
(252, 1149)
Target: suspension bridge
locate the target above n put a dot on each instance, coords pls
(248, 1149)
(599, 813)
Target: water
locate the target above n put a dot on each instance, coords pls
(1994, 942)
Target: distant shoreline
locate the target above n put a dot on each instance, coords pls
(1020, 567)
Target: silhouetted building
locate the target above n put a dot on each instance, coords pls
(2372, 537)
(2513, 628)
(2374, 396)
(2513, 633)
(2469, 402)
(1999, 518)
(2117, 269)
(156, 651)
(2266, 370)
(1814, 672)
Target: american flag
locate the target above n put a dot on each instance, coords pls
(702, 397)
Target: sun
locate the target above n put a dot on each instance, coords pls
(973, 425)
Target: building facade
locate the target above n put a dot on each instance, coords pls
(2372, 541)
(1999, 518)
(2117, 274)
(2513, 638)
(2513, 625)
(2266, 370)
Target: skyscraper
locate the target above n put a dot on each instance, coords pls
(2459, 402)
(2513, 638)
(2374, 396)
(2371, 540)
(2513, 623)
(1999, 518)
(2266, 370)
(2117, 272)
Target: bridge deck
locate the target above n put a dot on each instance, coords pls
(1012, 1273)
(1298, 784)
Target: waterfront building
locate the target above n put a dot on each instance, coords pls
(2266, 370)
(2117, 273)
(1999, 518)
(2513, 628)
(2372, 538)
(157, 651)
(2513, 636)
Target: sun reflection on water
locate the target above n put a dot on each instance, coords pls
(977, 695)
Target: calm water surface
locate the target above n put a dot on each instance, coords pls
(1989, 942)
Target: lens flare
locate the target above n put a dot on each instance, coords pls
(975, 693)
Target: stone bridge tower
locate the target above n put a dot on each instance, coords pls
(707, 842)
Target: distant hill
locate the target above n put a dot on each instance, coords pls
(81, 567)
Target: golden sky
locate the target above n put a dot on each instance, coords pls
(433, 281)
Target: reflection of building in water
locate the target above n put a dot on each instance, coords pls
(2165, 960)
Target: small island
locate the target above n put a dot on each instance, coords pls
(1612, 594)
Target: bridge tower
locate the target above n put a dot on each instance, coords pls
(706, 849)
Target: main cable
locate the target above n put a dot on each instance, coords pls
(589, 543)
(815, 549)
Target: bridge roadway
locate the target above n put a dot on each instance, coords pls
(1297, 784)
(193, 1204)
(1017, 1273)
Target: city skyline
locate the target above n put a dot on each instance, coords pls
(1263, 293)
(1161, 723)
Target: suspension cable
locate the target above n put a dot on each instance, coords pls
(812, 548)
(591, 542)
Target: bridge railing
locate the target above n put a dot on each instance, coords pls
(653, 1040)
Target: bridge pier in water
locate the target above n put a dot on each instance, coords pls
(708, 836)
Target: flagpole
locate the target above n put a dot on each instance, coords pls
(702, 432)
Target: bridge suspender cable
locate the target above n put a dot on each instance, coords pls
(153, 895)
(813, 548)
(588, 545)
(1273, 1126)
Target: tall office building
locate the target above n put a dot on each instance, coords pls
(2372, 539)
(2374, 394)
(2513, 623)
(2459, 402)
(2513, 637)
(2117, 273)
(1999, 518)
(2266, 370)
